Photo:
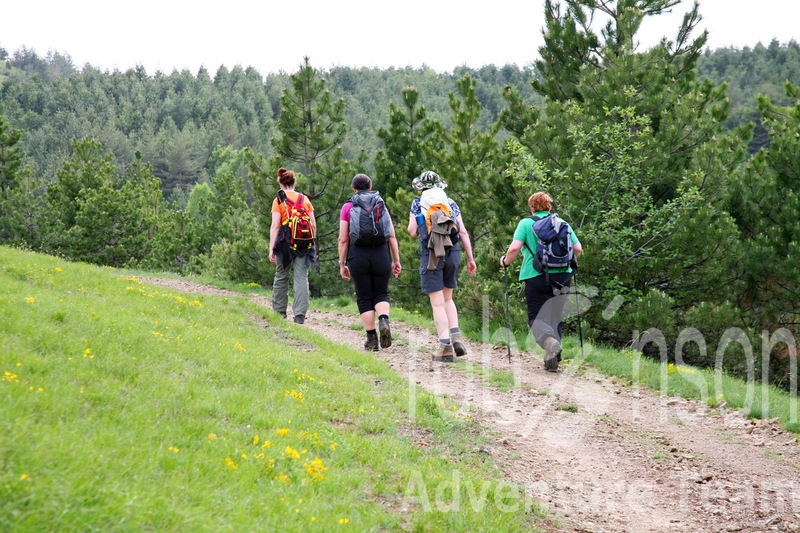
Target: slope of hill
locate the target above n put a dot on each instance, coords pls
(133, 403)
(603, 454)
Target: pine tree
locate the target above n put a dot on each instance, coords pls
(19, 207)
(402, 157)
(766, 201)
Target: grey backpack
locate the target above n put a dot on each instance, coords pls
(370, 224)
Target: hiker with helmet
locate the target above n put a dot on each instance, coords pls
(549, 251)
(369, 254)
(436, 220)
(292, 245)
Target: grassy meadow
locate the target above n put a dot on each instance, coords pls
(126, 407)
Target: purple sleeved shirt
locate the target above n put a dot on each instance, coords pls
(345, 213)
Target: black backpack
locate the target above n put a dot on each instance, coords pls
(369, 219)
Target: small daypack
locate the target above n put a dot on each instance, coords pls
(297, 229)
(554, 246)
(370, 224)
(437, 207)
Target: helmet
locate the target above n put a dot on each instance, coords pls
(428, 180)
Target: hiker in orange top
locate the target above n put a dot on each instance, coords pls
(291, 238)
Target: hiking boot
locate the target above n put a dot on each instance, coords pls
(552, 352)
(299, 319)
(372, 343)
(459, 347)
(444, 354)
(385, 331)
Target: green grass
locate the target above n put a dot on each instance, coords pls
(127, 407)
(568, 407)
(502, 380)
(754, 399)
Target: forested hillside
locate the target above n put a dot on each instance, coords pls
(177, 120)
(648, 154)
(750, 72)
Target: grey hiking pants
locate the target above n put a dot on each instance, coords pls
(545, 310)
(280, 286)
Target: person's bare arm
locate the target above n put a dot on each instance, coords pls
(344, 245)
(467, 245)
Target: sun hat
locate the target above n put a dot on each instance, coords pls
(428, 180)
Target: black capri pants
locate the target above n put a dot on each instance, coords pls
(370, 268)
(545, 309)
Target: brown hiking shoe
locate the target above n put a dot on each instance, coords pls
(551, 350)
(444, 354)
(458, 346)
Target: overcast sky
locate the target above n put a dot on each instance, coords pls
(274, 36)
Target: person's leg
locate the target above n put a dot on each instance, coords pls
(445, 352)
(439, 314)
(280, 288)
(381, 273)
(552, 311)
(360, 267)
(361, 274)
(300, 302)
(452, 323)
(538, 298)
(450, 308)
(452, 265)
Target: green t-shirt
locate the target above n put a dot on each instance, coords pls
(524, 233)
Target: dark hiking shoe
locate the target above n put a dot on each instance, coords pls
(372, 343)
(444, 354)
(385, 331)
(459, 347)
(299, 319)
(552, 352)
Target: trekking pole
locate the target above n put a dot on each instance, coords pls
(508, 318)
(577, 307)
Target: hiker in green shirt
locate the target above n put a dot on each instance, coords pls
(545, 288)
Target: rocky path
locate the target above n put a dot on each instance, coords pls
(605, 456)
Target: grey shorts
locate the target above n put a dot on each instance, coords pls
(446, 273)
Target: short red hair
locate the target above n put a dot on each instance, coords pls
(540, 201)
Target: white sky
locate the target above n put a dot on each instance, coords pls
(274, 36)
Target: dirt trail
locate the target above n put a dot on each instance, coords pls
(604, 456)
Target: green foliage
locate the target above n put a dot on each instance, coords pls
(750, 72)
(19, 209)
(634, 151)
(765, 201)
(219, 210)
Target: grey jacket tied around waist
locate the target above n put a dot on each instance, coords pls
(439, 239)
